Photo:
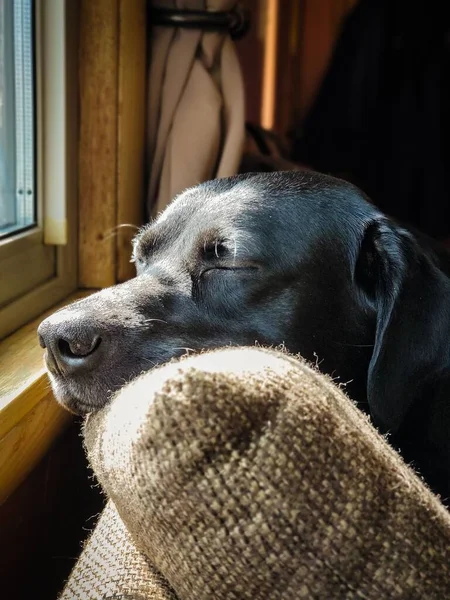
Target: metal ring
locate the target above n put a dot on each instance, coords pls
(236, 21)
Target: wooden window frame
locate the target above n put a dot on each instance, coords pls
(105, 173)
(29, 253)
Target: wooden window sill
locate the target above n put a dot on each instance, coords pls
(30, 418)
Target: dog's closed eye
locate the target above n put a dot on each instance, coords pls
(232, 268)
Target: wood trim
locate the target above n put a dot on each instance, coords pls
(131, 123)
(272, 8)
(112, 135)
(24, 402)
(21, 359)
(28, 441)
(30, 418)
(98, 73)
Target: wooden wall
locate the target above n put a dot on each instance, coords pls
(112, 77)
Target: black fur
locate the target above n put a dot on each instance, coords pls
(297, 258)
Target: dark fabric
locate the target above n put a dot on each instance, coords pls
(381, 117)
(266, 151)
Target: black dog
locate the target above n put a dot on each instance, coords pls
(295, 258)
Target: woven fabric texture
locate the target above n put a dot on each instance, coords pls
(243, 473)
(110, 567)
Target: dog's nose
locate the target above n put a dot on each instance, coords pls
(71, 347)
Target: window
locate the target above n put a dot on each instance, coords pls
(17, 173)
(38, 124)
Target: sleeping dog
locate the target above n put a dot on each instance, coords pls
(293, 258)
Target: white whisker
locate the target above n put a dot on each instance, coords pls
(152, 362)
(114, 230)
(187, 349)
(147, 321)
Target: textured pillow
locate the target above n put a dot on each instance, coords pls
(243, 473)
(111, 568)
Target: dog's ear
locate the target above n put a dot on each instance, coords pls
(411, 297)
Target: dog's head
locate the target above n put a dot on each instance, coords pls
(293, 258)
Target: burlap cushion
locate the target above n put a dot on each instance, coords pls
(111, 568)
(243, 473)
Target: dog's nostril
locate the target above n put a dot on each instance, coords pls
(77, 349)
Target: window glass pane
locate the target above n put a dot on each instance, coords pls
(17, 178)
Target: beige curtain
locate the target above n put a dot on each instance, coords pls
(196, 106)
